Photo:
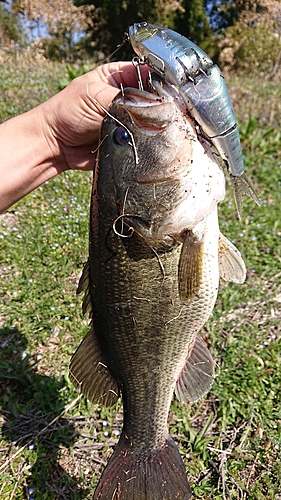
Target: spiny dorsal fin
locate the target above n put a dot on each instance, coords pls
(197, 376)
(89, 374)
(190, 267)
(231, 265)
(84, 286)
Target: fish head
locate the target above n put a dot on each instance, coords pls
(145, 147)
(146, 160)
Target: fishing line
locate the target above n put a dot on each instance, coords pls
(195, 366)
(124, 41)
(131, 229)
(99, 145)
(159, 262)
(117, 121)
(123, 210)
(104, 79)
(176, 317)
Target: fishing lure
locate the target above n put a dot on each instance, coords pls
(202, 87)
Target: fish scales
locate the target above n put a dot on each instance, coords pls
(150, 285)
(150, 329)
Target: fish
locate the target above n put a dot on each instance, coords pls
(150, 284)
(204, 91)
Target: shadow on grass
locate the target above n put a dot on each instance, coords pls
(31, 405)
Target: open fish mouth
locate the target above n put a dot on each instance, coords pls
(149, 112)
(149, 118)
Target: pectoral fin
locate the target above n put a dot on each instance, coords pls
(89, 374)
(190, 267)
(197, 376)
(231, 265)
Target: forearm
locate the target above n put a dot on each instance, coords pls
(60, 134)
(25, 157)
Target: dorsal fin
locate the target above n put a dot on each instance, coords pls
(231, 265)
(84, 286)
(89, 374)
(190, 267)
(197, 376)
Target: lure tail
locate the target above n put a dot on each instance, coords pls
(243, 186)
(158, 474)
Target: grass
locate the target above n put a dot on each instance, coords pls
(53, 444)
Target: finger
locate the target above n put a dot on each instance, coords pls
(122, 73)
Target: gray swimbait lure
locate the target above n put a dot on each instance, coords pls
(199, 81)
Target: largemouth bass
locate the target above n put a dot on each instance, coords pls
(150, 284)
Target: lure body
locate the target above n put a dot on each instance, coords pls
(201, 85)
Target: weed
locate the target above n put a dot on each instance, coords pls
(72, 72)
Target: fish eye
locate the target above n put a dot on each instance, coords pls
(121, 136)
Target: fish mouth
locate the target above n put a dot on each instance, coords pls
(145, 114)
(148, 111)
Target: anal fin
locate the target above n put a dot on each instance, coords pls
(197, 376)
(231, 265)
(89, 374)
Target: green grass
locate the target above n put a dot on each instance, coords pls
(57, 444)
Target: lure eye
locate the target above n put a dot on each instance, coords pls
(121, 136)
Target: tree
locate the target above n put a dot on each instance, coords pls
(192, 21)
(222, 13)
(58, 24)
(10, 28)
(225, 13)
(253, 43)
(113, 18)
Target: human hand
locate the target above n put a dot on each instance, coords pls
(72, 119)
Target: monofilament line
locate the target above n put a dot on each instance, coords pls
(117, 121)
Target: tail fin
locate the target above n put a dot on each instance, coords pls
(157, 474)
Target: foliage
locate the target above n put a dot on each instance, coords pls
(55, 26)
(253, 44)
(224, 13)
(192, 22)
(22, 72)
(113, 18)
(73, 72)
(187, 17)
(240, 35)
(54, 446)
(10, 28)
